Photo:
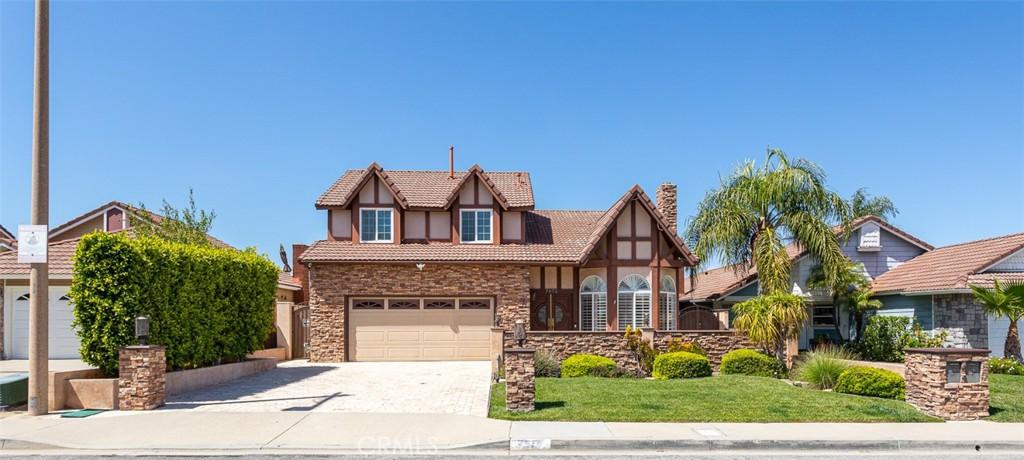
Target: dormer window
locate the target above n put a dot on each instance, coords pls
(476, 226)
(375, 225)
(870, 238)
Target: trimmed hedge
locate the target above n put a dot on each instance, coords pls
(207, 305)
(681, 365)
(869, 381)
(1005, 366)
(582, 365)
(752, 362)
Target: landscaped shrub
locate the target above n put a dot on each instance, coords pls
(869, 381)
(588, 365)
(885, 338)
(822, 367)
(681, 365)
(641, 350)
(207, 305)
(751, 362)
(546, 364)
(675, 345)
(1005, 366)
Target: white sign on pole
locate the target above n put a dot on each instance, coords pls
(32, 244)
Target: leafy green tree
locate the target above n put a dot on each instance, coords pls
(860, 301)
(862, 204)
(770, 320)
(1005, 300)
(851, 278)
(751, 216)
(189, 225)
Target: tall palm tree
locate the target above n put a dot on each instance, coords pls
(1005, 300)
(771, 319)
(751, 216)
(851, 279)
(860, 301)
(863, 204)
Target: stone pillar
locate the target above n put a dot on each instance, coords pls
(141, 384)
(950, 383)
(519, 384)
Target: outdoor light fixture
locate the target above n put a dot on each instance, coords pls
(520, 332)
(420, 266)
(142, 329)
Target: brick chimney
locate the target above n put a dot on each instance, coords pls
(299, 271)
(665, 198)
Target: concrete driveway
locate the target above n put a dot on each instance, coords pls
(452, 387)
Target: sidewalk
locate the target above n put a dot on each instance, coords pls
(238, 433)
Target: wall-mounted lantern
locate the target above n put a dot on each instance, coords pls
(520, 332)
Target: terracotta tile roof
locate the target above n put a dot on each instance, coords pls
(59, 254)
(952, 267)
(717, 282)
(429, 189)
(287, 281)
(551, 236)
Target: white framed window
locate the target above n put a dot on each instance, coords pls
(475, 225)
(634, 302)
(821, 316)
(593, 304)
(375, 225)
(668, 305)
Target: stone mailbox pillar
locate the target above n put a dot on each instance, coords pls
(950, 383)
(519, 384)
(141, 384)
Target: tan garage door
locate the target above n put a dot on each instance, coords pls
(420, 329)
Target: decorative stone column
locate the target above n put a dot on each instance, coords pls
(520, 389)
(141, 384)
(950, 383)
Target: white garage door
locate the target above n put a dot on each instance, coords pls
(420, 329)
(997, 330)
(63, 341)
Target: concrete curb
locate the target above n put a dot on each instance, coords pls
(16, 444)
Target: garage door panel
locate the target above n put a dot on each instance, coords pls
(63, 341)
(419, 335)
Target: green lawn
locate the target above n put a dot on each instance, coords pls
(729, 398)
(1007, 398)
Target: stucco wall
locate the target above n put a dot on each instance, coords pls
(331, 284)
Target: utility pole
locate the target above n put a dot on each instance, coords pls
(38, 302)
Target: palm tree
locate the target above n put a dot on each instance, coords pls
(863, 204)
(751, 216)
(860, 301)
(851, 279)
(770, 320)
(1005, 300)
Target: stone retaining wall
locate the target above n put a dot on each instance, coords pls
(613, 344)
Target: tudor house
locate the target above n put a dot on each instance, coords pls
(422, 265)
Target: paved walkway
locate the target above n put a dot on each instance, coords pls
(298, 386)
(17, 366)
(275, 432)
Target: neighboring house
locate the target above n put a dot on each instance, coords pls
(63, 240)
(874, 243)
(7, 240)
(419, 265)
(936, 285)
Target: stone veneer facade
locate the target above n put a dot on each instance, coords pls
(613, 344)
(141, 383)
(520, 389)
(928, 389)
(963, 318)
(331, 284)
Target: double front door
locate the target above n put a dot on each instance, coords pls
(552, 310)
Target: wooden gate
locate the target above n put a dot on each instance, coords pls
(694, 318)
(300, 332)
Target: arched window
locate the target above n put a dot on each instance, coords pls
(668, 304)
(634, 302)
(593, 304)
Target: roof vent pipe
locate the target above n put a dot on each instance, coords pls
(451, 161)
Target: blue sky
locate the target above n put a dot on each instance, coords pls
(260, 106)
